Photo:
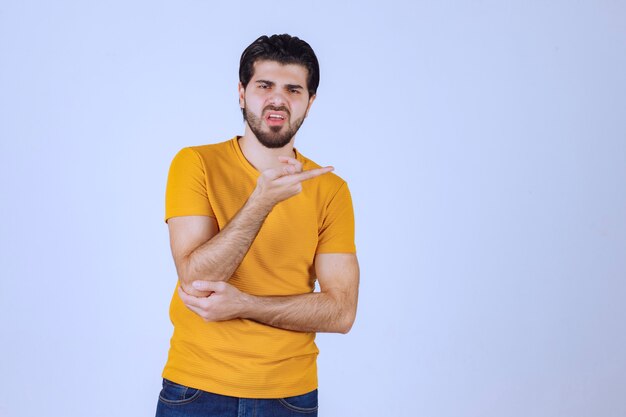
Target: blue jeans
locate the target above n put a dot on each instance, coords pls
(177, 400)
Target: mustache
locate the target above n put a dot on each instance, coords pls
(276, 108)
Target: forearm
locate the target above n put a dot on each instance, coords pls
(314, 312)
(219, 257)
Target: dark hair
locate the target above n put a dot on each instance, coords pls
(285, 49)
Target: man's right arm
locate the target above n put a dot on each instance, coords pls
(201, 252)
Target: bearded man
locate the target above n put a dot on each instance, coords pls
(253, 224)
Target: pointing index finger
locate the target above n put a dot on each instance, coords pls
(312, 173)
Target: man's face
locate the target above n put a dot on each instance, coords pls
(275, 102)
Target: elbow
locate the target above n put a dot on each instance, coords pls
(344, 329)
(345, 310)
(188, 273)
(186, 282)
(346, 324)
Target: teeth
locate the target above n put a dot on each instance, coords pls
(276, 116)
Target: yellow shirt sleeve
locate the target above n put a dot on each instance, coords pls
(337, 232)
(186, 191)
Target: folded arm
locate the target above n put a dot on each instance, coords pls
(333, 309)
(201, 252)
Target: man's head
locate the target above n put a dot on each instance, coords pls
(284, 49)
(278, 78)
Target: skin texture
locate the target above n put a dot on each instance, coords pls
(206, 259)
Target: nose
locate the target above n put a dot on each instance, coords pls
(276, 98)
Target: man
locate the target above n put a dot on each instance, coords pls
(253, 223)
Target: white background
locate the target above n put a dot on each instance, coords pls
(485, 147)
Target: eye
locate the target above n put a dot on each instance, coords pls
(294, 91)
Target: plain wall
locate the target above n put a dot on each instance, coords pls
(485, 147)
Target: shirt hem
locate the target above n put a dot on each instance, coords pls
(237, 392)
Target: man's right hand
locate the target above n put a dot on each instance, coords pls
(277, 184)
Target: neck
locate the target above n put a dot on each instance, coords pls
(261, 157)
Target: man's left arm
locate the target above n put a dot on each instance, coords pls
(333, 309)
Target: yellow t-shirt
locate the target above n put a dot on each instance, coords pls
(244, 358)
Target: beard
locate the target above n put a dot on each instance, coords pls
(278, 136)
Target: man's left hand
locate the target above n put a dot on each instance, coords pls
(224, 303)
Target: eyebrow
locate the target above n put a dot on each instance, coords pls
(287, 86)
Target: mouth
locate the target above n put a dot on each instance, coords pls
(275, 118)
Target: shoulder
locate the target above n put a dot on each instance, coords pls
(211, 150)
(204, 154)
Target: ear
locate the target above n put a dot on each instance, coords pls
(308, 107)
(242, 95)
